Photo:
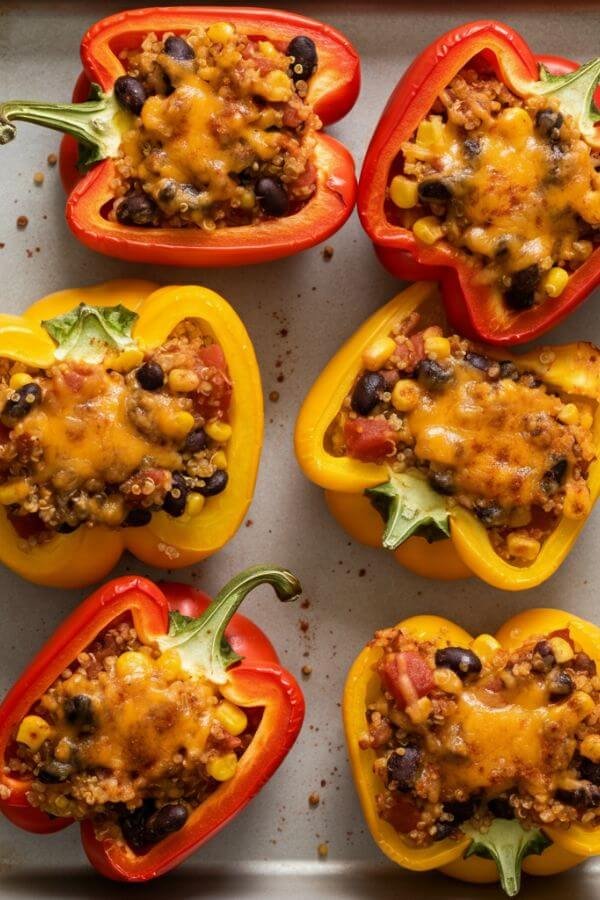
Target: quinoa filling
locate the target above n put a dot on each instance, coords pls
(127, 738)
(223, 135)
(111, 443)
(486, 435)
(470, 734)
(508, 181)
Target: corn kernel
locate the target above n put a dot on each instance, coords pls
(13, 492)
(583, 704)
(178, 426)
(183, 380)
(428, 230)
(561, 649)
(125, 361)
(590, 747)
(169, 665)
(403, 192)
(194, 504)
(276, 87)
(577, 503)
(133, 664)
(218, 431)
(480, 240)
(485, 647)
(555, 281)
(419, 711)
(219, 460)
(220, 32)
(266, 48)
(448, 681)
(519, 517)
(222, 768)
(377, 354)
(586, 419)
(247, 199)
(232, 718)
(33, 731)
(406, 395)
(516, 124)
(569, 414)
(430, 134)
(19, 380)
(438, 346)
(521, 546)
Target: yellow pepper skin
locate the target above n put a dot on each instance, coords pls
(88, 554)
(363, 687)
(572, 368)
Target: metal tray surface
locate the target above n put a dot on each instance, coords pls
(298, 311)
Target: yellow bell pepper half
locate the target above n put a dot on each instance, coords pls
(363, 687)
(88, 554)
(573, 369)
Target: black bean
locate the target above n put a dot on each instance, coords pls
(79, 710)
(178, 49)
(543, 657)
(303, 51)
(65, 528)
(520, 294)
(403, 767)
(442, 482)
(195, 441)
(54, 772)
(272, 196)
(215, 484)
(168, 191)
(133, 826)
(174, 503)
(490, 514)
(166, 820)
(434, 190)
(549, 123)
(365, 395)
(137, 518)
(150, 376)
(508, 370)
(22, 401)
(462, 661)
(560, 684)
(130, 93)
(478, 361)
(433, 374)
(501, 808)
(588, 770)
(587, 797)
(137, 209)
(444, 830)
(461, 810)
(581, 662)
(472, 147)
(554, 477)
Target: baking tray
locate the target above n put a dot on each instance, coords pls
(297, 311)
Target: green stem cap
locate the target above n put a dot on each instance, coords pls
(201, 642)
(507, 843)
(97, 124)
(409, 506)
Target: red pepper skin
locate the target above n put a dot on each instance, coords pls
(471, 308)
(258, 681)
(321, 216)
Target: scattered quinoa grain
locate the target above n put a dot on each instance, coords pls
(306, 671)
(314, 799)
(22, 222)
(274, 396)
(327, 252)
(38, 178)
(52, 159)
(323, 851)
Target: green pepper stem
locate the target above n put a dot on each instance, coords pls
(507, 843)
(409, 506)
(95, 123)
(201, 642)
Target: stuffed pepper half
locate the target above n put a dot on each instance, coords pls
(139, 721)
(488, 748)
(444, 438)
(207, 127)
(130, 417)
(484, 172)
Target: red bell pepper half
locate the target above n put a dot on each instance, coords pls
(226, 646)
(94, 126)
(472, 308)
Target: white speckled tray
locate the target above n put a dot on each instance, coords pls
(271, 849)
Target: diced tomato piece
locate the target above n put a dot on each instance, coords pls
(403, 815)
(213, 356)
(213, 368)
(72, 379)
(27, 526)
(369, 440)
(407, 676)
